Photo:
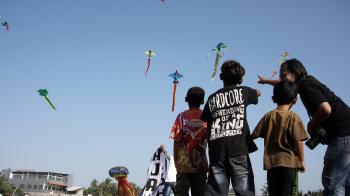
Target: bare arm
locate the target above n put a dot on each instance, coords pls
(323, 111)
(258, 92)
(300, 153)
(263, 80)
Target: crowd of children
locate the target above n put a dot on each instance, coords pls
(223, 127)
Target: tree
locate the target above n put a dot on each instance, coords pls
(7, 189)
(93, 189)
(107, 188)
(136, 188)
(314, 193)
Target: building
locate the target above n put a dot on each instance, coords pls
(75, 190)
(39, 182)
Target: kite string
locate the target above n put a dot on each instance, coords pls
(174, 94)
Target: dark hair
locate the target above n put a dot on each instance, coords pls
(295, 67)
(232, 72)
(285, 92)
(195, 96)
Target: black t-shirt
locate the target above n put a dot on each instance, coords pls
(225, 113)
(313, 93)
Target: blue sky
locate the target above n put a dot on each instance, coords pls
(89, 55)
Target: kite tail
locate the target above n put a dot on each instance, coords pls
(48, 100)
(124, 188)
(295, 186)
(283, 59)
(174, 94)
(148, 65)
(216, 65)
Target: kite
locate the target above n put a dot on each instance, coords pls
(149, 54)
(218, 50)
(176, 76)
(157, 173)
(283, 59)
(44, 93)
(120, 174)
(4, 23)
(163, 1)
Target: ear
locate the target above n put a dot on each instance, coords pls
(273, 99)
(186, 99)
(295, 100)
(221, 76)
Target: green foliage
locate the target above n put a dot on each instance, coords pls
(264, 192)
(108, 187)
(313, 193)
(7, 189)
(136, 188)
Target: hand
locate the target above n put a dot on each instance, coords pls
(303, 167)
(310, 128)
(162, 147)
(262, 79)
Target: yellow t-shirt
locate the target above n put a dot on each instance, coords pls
(280, 130)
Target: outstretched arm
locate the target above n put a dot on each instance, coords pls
(263, 80)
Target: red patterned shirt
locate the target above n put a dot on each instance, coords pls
(190, 142)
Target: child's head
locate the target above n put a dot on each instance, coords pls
(285, 92)
(293, 70)
(232, 72)
(195, 97)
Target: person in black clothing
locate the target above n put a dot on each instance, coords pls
(228, 134)
(327, 111)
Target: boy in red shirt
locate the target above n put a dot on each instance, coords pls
(189, 134)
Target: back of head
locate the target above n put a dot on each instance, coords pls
(232, 72)
(285, 92)
(295, 67)
(195, 96)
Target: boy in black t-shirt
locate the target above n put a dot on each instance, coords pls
(228, 133)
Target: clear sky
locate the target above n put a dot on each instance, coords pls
(89, 55)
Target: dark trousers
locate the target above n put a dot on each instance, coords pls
(186, 181)
(237, 169)
(281, 180)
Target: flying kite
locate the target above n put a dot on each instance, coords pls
(163, 1)
(44, 93)
(149, 54)
(4, 23)
(120, 174)
(218, 50)
(283, 59)
(176, 76)
(157, 173)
